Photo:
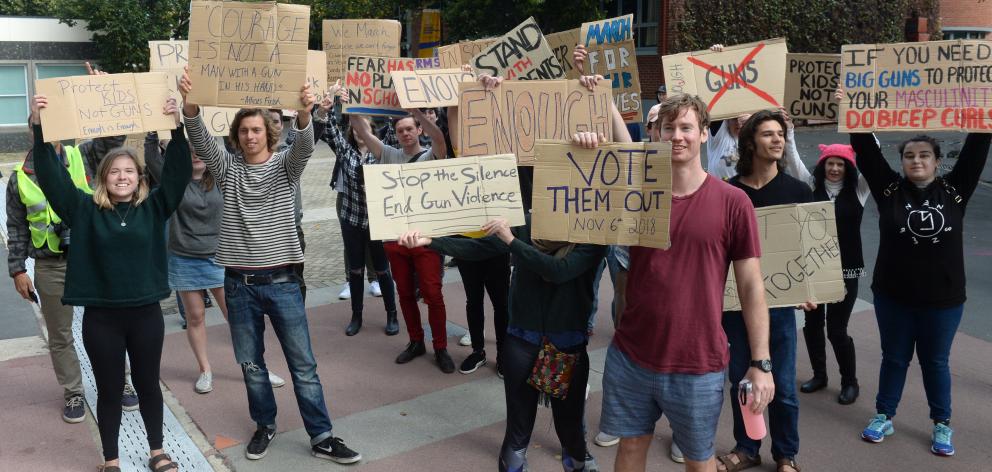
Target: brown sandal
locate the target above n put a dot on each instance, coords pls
(162, 457)
(736, 460)
(782, 463)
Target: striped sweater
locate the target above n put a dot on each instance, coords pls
(258, 228)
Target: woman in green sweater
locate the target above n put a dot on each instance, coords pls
(117, 272)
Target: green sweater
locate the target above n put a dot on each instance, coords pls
(548, 295)
(112, 265)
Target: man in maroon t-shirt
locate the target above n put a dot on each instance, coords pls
(669, 354)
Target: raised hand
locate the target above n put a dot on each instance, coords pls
(588, 139)
(590, 81)
(37, 103)
(490, 82)
(579, 55)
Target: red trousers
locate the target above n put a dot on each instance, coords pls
(426, 264)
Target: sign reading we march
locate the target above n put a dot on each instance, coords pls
(442, 197)
(614, 194)
(800, 256)
(366, 37)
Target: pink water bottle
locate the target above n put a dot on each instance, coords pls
(754, 423)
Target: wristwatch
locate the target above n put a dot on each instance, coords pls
(764, 364)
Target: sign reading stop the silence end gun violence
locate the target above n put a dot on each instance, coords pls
(442, 197)
(742, 79)
(939, 85)
(615, 194)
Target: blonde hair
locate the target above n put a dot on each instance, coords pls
(100, 195)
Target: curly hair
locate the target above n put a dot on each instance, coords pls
(746, 137)
(271, 135)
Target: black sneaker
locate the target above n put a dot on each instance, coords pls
(471, 363)
(413, 349)
(259, 444)
(129, 400)
(75, 410)
(499, 369)
(444, 361)
(335, 450)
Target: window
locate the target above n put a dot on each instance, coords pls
(645, 22)
(965, 34)
(13, 95)
(48, 71)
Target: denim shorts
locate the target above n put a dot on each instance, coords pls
(634, 399)
(194, 273)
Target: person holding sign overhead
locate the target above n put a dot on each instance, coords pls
(919, 279)
(258, 246)
(116, 270)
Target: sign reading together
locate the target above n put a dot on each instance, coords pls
(938, 85)
(370, 84)
(810, 86)
(610, 44)
(615, 194)
(345, 38)
(521, 54)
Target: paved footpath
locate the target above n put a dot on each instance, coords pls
(414, 418)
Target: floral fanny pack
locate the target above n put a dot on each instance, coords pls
(552, 372)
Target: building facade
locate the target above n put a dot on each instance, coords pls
(966, 19)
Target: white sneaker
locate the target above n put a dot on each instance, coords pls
(345, 293)
(676, 454)
(605, 440)
(276, 380)
(465, 340)
(374, 289)
(205, 383)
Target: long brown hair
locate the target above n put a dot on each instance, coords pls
(747, 135)
(101, 197)
(271, 135)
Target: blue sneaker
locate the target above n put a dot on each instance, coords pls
(940, 441)
(878, 429)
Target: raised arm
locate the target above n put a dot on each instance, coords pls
(620, 132)
(53, 177)
(793, 163)
(177, 171)
(438, 146)
(302, 148)
(217, 159)
(363, 129)
(153, 156)
(971, 161)
(871, 163)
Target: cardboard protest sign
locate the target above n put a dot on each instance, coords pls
(742, 79)
(512, 117)
(429, 88)
(562, 45)
(810, 82)
(170, 57)
(137, 143)
(800, 256)
(370, 84)
(938, 85)
(610, 44)
(344, 38)
(615, 194)
(248, 54)
(93, 106)
(454, 56)
(317, 74)
(521, 54)
(442, 197)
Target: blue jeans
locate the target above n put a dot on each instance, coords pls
(783, 411)
(614, 266)
(247, 306)
(931, 332)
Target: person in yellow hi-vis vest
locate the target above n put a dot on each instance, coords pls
(36, 231)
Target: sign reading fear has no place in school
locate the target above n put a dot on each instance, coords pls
(442, 197)
(370, 84)
(614, 194)
(938, 85)
(521, 54)
(800, 256)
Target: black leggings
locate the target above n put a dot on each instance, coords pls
(493, 276)
(836, 316)
(521, 400)
(107, 334)
(356, 242)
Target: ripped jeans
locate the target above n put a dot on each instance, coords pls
(247, 306)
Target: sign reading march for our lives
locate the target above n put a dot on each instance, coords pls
(93, 106)
(248, 54)
(614, 194)
(512, 117)
(370, 84)
(610, 44)
(939, 85)
(342, 39)
(521, 54)
(800, 256)
(810, 85)
(741, 79)
(442, 197)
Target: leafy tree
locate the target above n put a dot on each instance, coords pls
(27, 7)
(473, 19)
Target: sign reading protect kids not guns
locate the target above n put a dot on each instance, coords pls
(370, 84)
(248, 54)
(521, 54)
(610, 44)
(512, 117)
(741, 79)
(614, 194)
(938, 85)
(810, 85)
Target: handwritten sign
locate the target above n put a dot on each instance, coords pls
(512, 117)
(370, 83)
(345, 38)
(454, 56)
(939, 85)
(610, 44)
(521, 54)
(441, 198)
(742, 79)
(93, 106)
(614, 194)
(317, 73)
(800, 256)
(248, 54)
(429, 88)
(562, 45)
(810, 84)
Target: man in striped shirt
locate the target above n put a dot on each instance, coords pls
(258, 246)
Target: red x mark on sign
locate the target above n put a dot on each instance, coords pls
(731, 79)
